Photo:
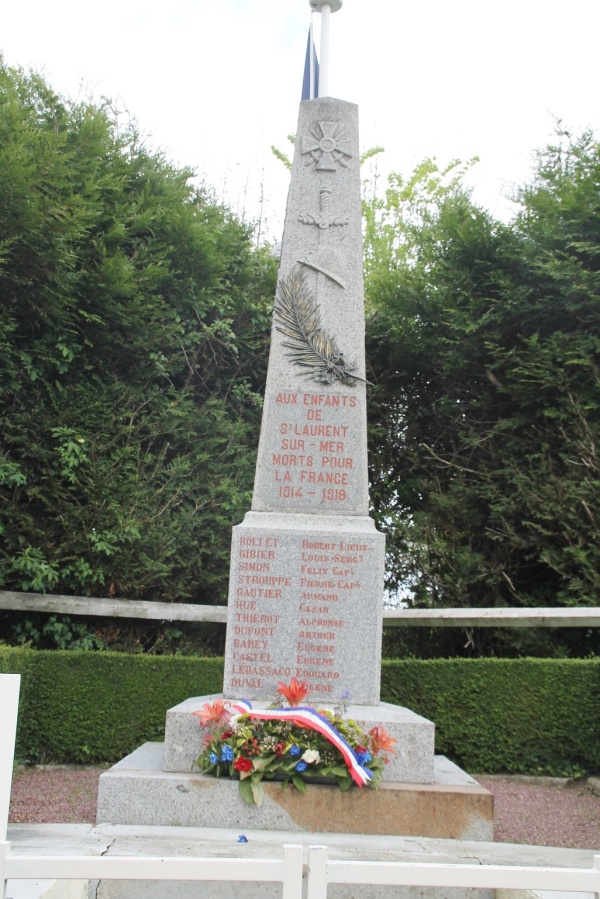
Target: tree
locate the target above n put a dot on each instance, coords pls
(485, 420)
(133, 338)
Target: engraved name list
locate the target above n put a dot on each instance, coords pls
(293, 595)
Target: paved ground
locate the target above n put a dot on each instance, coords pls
(546, 811)
(540, 812)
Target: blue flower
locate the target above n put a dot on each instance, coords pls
(242, 838)
(301, 766)
(227, 754)
(213, 758)
(364, 757)
(295, 750)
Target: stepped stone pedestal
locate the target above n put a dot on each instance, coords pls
(138, 791)
(420, 795)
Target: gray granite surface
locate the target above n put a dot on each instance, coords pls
(414, 735)
(313, 450)
(138, 791)
(305, 602)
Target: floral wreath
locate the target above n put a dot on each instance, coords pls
(295, 745)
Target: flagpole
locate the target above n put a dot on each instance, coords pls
(312, 62)
(325, 7)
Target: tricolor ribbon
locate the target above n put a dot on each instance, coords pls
(304, 716)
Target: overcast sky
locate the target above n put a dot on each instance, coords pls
(214, 83)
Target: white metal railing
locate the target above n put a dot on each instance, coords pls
(164, 611)
(322, 871)
(288, 870)
(9, 708)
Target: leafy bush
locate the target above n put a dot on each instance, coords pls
(484, 419)
(133, 339)
(40, 630)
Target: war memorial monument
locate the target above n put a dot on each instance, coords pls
(307, 564)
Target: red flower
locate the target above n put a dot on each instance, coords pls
(279, 747)
(295, 693)
(380, 739)
(242, 764)
(213, 713)
(360, 750)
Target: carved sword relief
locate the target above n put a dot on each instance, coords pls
(325, 220)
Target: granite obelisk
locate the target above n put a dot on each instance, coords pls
(306, 584)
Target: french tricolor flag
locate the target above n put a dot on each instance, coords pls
(310, 84)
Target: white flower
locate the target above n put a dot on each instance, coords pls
(311, 756)
(233, 721)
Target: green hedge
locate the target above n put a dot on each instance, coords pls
(527, 716)
(97, 706)
(522, 716)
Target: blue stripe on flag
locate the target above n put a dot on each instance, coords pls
(306, 81)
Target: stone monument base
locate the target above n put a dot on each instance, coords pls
(419, 795)
(412, 761)
(137, 791)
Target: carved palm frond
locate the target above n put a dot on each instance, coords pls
(297, 317)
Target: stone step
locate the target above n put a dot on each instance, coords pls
(138, 791)
(415, 736)
(87, 839)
